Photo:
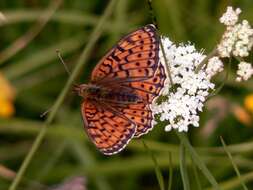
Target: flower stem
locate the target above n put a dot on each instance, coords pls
(197, 160)
(213, 53)
(166, 62)
(81, 62)
(152, 15)
(183, 168)
(233, 163)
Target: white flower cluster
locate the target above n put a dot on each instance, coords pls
(238, 37)
(180, 103)
(214, 66)
(236, 41)
(244, 72)
(189, 91)
(230, 17)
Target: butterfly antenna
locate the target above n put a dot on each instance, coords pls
(152, 13)
(76, 86)
(62, 61)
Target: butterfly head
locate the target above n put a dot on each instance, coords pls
(81, 90)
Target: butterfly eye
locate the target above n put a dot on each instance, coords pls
(81, 90)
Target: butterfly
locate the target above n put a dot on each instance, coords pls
(125, 82)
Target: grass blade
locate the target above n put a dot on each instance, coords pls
(24, 40)
(197, 160)
(170, 172)
(234, 183)
(233, 163)
(158, 172)
(81, 61)
(183, 168)
(196, 176)
(38, 59)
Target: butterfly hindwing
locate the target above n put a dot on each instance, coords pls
(141, 115)
(109, 131)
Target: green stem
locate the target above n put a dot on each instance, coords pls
(197, 160)
(233, 164)
(82, 60)
(87, 160)
(205, 60)
(183, 168)
(38, 58)
(170, 172)
(235, 182)
(166, 61)
(158, 171)
(196, 175)
(152, 15)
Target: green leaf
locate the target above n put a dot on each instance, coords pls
(197, 160)
(170, 172)
(233, 163)
(196, 175)
(183, 168)
(158, 172)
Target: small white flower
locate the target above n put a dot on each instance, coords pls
(244, 39)
(181, 108)
(244, 72)
(238, 37)
(227, 43)
(214, 66)
(230, 17)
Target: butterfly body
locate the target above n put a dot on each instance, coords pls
(99, 94)
(117, 102)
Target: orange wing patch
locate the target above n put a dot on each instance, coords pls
(141, 115)
(150, 88)
(109, 131)
(139, 49)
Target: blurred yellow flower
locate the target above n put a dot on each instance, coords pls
(7, 95)
(242, 115)
(248, 103)
(6, 108)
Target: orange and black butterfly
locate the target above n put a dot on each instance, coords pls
(116, 102)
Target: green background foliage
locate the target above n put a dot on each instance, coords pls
(38, 77)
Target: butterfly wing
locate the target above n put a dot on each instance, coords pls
(133, 64)
(141, 114)
(135, 57)
(149, 88)
(109, 130)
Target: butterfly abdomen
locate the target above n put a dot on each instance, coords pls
(123, 97)
(98, 93)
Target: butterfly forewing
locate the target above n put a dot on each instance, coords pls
(135, 56)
